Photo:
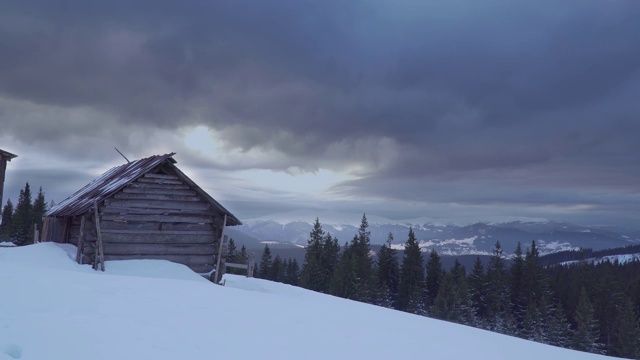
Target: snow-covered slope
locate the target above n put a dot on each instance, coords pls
(52, 308)
(622, 259)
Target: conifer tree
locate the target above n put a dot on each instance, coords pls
(558, 328)
(517, 297)
(362, 266)
(242, 257)
(39, 209)
(453, 302)
(329, 258)
(313, 275)
(343, 282)
(292, 272)
(626, 341)
(265, 263)
(497, 300)
(477, 291)
(388, 273)
(536, 292)
(435, 274)
(22, 220)
(277, 269)
(586, 333)
(5, 226)
(232, 252)
(411, 276)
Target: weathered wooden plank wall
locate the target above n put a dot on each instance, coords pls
(155, 217)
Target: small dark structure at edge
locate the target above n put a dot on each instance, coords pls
(145, 209)
(4, 157)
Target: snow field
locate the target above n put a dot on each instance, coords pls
(53, 308)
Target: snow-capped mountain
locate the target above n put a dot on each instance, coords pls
(447, 236)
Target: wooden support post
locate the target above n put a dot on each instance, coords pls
(80, 241)
(36, 234)
(45, 229)
(99, 251)
(251, 264)
(218, 276)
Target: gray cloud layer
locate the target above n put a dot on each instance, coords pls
(488, 102)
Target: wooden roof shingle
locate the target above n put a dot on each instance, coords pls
(117, 178)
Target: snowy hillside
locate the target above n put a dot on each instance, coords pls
(622, 259)
(52, 308)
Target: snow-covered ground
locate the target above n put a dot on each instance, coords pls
(622, 259)
(53, 308)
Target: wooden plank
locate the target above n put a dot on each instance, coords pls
(80, 241)
(100, 255)
(159, 218)
(155, 249)
(160, 181)
(210, 233)
(158, 197)
(114, 210)
(218, 274)
(159, 238)
(161, 176)
(123, 225)
(36, 234)
(237, 266)
(45, 229)
(158, 186)
(143, 190)
(156, 204)
(145, 225)
(181, 259)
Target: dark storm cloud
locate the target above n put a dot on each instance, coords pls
(526, 96)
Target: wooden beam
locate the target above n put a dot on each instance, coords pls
(160, 232)
(157, 204)
(237, 266)
(159, 218)
(116, 210)
(158, 186)
(181, 259)
(218, 276)
(36, 234)
(100, 253)
(158, 197)
(143, 190)
(161, 176)
(146, 225)
(159, 238)
(80, 241)
(155, 249)
(147, 180)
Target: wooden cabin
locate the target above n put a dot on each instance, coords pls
(146, 209)
(4, 157)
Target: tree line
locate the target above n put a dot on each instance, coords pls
(18, 221)
(585, 307)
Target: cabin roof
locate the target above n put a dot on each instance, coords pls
(117, 178)
(7, 155)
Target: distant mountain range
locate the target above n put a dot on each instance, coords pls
(447, 236)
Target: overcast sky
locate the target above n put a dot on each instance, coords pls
(400, 108)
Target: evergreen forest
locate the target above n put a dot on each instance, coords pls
(582, 306)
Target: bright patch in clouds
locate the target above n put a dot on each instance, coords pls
(292, 179)
(201, 139)
(295, 182)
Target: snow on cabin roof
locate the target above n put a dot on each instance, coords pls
(117, 178)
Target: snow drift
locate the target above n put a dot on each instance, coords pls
(53, 308)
